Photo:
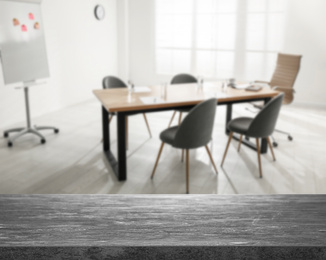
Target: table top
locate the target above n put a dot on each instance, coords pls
(120, 100)
(162, 220)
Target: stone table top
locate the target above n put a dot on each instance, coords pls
(109, 225)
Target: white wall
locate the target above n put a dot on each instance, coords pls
(81, 51)
(123, 38)
(305, 34)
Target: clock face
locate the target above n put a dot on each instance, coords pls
(99, 12)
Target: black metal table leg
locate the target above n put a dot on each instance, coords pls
(122, 153)
(106, 130)
(263, 145)
(228, 117)
(106, 143)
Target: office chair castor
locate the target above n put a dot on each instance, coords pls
(275, 144)
(290, 138)
(56, 131)
(9, 144)
(5, 135)
(43, 141)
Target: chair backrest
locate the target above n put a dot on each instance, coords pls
(183, 78)
(113, 82)
(264, 123)
(286, 72)
(196, 128)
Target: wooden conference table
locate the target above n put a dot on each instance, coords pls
(145, 100)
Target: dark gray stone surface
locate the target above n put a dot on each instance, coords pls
(162, 227)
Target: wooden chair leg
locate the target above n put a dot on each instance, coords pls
(240, 141)
(227, 147)
(149, 130)
(127, 134)
(157, 159)
(187, 171)
(210, 156)
(180, 118)
(271, 147)
(182, 155)
(259, 161)
(172, 118)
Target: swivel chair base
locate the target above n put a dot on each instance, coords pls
(29, 129)
(33, 130)
(290, 138)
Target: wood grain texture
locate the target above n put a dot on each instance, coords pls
(122, 225)
(119, 100)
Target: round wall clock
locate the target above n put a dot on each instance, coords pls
(99, 12)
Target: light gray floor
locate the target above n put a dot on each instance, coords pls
(72, 161)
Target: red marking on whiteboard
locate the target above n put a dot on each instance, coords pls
(31, 16)
(36, 26)
(16, 22)
(24, 28)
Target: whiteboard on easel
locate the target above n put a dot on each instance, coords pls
(22, 43)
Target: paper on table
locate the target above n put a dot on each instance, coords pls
(152, 100)
(242, 86)
(141, 89)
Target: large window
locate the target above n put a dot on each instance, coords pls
(219, 38)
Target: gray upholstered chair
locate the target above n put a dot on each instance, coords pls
(262, 126)
(181, 79)
(114, 82)
(283, 79)
(195, 131)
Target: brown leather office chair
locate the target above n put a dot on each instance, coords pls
(283, 79)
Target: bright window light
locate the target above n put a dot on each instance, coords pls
(218, 38)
